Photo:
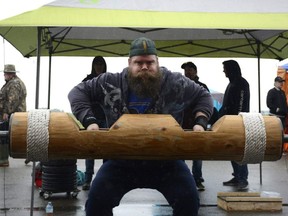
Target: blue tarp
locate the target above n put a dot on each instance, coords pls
(217, 98)
(285, 66)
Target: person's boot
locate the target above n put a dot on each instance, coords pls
(199, 185)
(27, 161)
(86, 186)
(242, 185)
(88, 179)
(4, 163)
(4, 155)
(231, 182)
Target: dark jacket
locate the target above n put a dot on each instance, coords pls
(89, 76)
(276, 98)
(200, 83)
(110, 91)
(236, 97)
(188, 121)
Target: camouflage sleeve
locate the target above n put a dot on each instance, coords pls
(13, 98)
(1, 101)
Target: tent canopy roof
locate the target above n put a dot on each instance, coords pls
(183, 28)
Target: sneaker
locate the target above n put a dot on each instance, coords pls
(242, 185)
(86, 186)
(200, 186)
(26, 161)
(231, 182)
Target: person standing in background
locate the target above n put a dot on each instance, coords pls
(12, 99)
(276, 101)
(236, 100)
(190, 71)
(99, 66)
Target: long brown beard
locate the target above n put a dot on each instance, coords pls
(145, 85)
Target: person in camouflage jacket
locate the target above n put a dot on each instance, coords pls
(12, 99)
(13, 94)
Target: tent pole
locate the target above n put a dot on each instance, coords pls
(259, 96)
(36, 107)
(38, 67)
(259, 77)
(49, 80)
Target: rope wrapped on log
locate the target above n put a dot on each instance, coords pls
(255, 138)
(38, 135)
(146, 136)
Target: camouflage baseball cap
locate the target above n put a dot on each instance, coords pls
(9, 68)
(142, 46)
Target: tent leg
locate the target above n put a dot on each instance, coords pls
(32, 190)
(36, 106)
(260, 169)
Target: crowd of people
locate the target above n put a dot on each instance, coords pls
(143, 87)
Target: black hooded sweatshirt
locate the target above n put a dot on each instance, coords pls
(237, 94)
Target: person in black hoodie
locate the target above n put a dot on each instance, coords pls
(99, 66)
(276, 100)
(236, 100)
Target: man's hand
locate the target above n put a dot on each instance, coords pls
(93, 126)
(198, 128)
(201, 122)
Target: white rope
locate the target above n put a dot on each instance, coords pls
(255, 138)
(38, 135)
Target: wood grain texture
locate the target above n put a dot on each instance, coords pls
(146, 136)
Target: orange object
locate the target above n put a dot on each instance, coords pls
(283, 74)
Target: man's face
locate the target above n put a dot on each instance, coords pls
(99, 68)
(144, 77)
(8, 76)
(143, 65)
(190, 72)
(225, 71)
(279, 84)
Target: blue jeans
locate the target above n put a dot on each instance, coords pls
(89, 163)
(197, 169)
(117, 177)
(240, 172)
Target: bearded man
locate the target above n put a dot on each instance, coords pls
(143, 87)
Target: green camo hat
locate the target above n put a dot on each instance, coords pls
(142, 46)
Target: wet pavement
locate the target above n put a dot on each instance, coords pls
(16, 196)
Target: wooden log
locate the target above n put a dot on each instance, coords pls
(146, 136)
(248, 201)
